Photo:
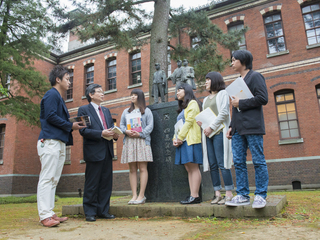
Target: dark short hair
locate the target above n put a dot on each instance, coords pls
(141, 100)
(244, 56)
(188, 96)
(57, 72)
(91, 89)
(217, 83)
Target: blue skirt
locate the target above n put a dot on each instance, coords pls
(186, 154)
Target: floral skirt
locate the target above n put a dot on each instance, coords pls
(136, 150)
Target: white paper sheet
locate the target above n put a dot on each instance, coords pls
(207, 116)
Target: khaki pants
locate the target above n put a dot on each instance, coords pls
(52, 157)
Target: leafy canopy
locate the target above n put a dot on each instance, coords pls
(24, 25)
(122, 22)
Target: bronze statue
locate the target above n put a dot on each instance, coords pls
(188, 74)
(175, 77)
(159, 86)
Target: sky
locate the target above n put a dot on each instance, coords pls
(148, 6)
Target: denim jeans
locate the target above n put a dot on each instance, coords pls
(240, 145)
(216, 160)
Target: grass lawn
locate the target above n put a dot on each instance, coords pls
(303, 209)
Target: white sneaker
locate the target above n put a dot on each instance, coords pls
(259, 202)
(238, 200)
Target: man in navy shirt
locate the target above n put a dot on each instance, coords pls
(54, 136)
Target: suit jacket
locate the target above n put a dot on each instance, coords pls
(54, 118)
(95, 148)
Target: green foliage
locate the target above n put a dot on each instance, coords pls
(23, 27)
(121, 22)
(118, 21)
(204, 56)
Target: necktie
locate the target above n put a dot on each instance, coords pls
(102, 118)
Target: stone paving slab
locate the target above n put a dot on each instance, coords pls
(120, 208)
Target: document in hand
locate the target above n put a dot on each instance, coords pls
(239, 89)
(84, 119)
(207, 116)
(115, 129)
(134, 122)
(177, 128)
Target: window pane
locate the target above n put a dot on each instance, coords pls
(315, 7)
(306, 9)
(309, 25)
(293, 124)
(272, 46)
(285, 134)
(276, 17)
(288, 96)
(311, 33)
(284, 126)
(281, 108)
(282, 116)
(294, 133)
(318, 92)
(316, 15)
(292, 115)
(270, 32)
(281, 45)
(1, 153)
(280, 98)
(268, 19)
(312, 40)
(290, 107)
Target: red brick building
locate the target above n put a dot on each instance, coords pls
(284, 38)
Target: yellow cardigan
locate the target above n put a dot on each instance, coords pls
(190, 130)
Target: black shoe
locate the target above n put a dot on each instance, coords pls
(107, 216)
(90, 218)
(191, 200)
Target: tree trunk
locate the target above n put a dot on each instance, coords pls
(159, 40)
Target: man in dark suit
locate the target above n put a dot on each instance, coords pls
(54, 136)
(98, 154)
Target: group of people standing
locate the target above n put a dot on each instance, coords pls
(193, 147)
(245, 130)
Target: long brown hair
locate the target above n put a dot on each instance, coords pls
(141, 102)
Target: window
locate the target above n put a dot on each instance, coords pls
(89, 74)
(111, 74)
(274, 33)
(195, 41)
(237, 27)
(311, 18)
(136, 68)
(115, 157)
(2, 135)
(68, 155)
(69, 92)
(287, 114)
(318, 93)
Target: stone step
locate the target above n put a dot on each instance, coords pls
(120, 208)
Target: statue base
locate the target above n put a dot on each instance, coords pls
(169, 182)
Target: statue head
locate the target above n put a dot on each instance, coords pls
(185, 62)
(157, 65)
(179, 63)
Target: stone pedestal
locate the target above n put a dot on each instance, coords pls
(169, 182)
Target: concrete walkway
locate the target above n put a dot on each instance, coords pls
(120, 208)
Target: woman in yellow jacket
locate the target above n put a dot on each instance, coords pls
(188, 140)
